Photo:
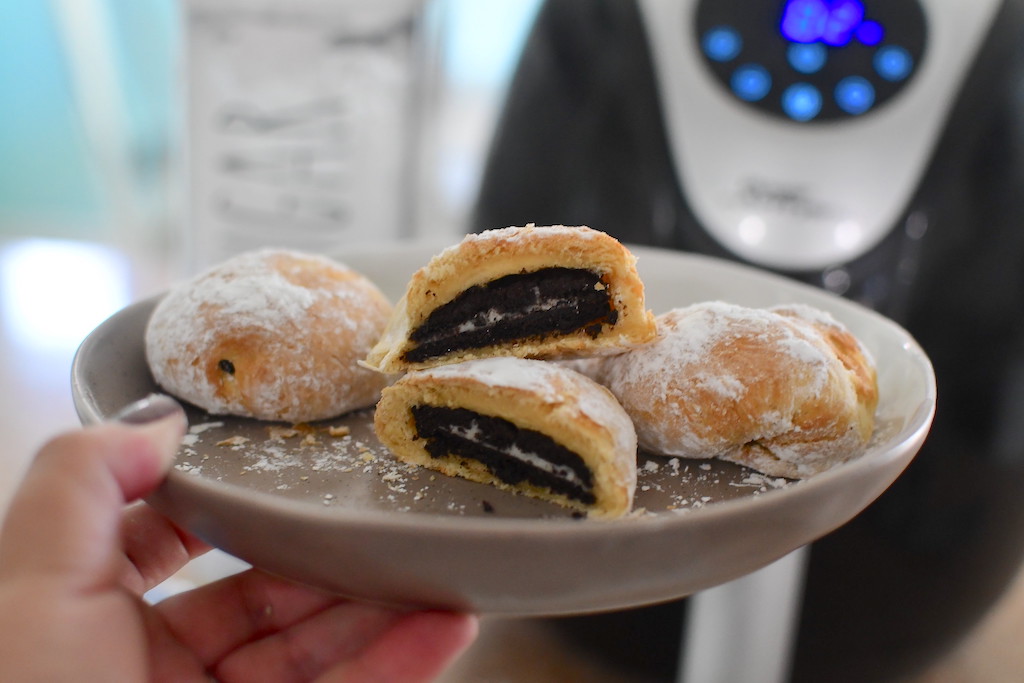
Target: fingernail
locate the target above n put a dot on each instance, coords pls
(162, 418)
(153, 408)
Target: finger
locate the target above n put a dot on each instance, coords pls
(169, 658)
(73, 493)
(219, 617)
(154, 548)
(309, 647)
(418, 647)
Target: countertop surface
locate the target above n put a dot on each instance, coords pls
(40, 327)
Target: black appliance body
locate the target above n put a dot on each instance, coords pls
(680, 124)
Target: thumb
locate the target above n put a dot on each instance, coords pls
(65, 518)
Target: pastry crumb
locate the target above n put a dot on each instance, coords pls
(278, 433)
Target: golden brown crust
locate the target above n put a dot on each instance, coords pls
(487, 256)
(790, 392)
(272, 334)
(573, 410)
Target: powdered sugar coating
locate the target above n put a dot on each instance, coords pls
(821, 319)
(518, 232)
(511, 235)
(271, 334)
(688, 335)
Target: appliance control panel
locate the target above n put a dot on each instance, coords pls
(799, 129)
(812, 60)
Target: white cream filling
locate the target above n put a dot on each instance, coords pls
(474, 434)
(492, 316)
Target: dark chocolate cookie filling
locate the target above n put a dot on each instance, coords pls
(540, 304)
(491, 440)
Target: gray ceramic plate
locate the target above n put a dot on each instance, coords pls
(328, 506)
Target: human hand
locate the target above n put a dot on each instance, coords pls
(74, 563)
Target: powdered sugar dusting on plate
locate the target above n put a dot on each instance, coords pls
(341, 465)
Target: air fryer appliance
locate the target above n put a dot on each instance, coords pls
(873, 148)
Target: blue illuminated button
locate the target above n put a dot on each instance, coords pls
(722, 43)
(807, 58)
(855, 95)
(751, 82)
(801, 101)
(893, 63)
(870, 33)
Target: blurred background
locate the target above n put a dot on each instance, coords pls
(98, 151)
(93, 167)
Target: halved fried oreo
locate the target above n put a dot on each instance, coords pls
(530, 292)
(529, 426)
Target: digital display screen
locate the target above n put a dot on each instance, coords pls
(833, 22)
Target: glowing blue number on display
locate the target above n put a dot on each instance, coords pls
(833, 22)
